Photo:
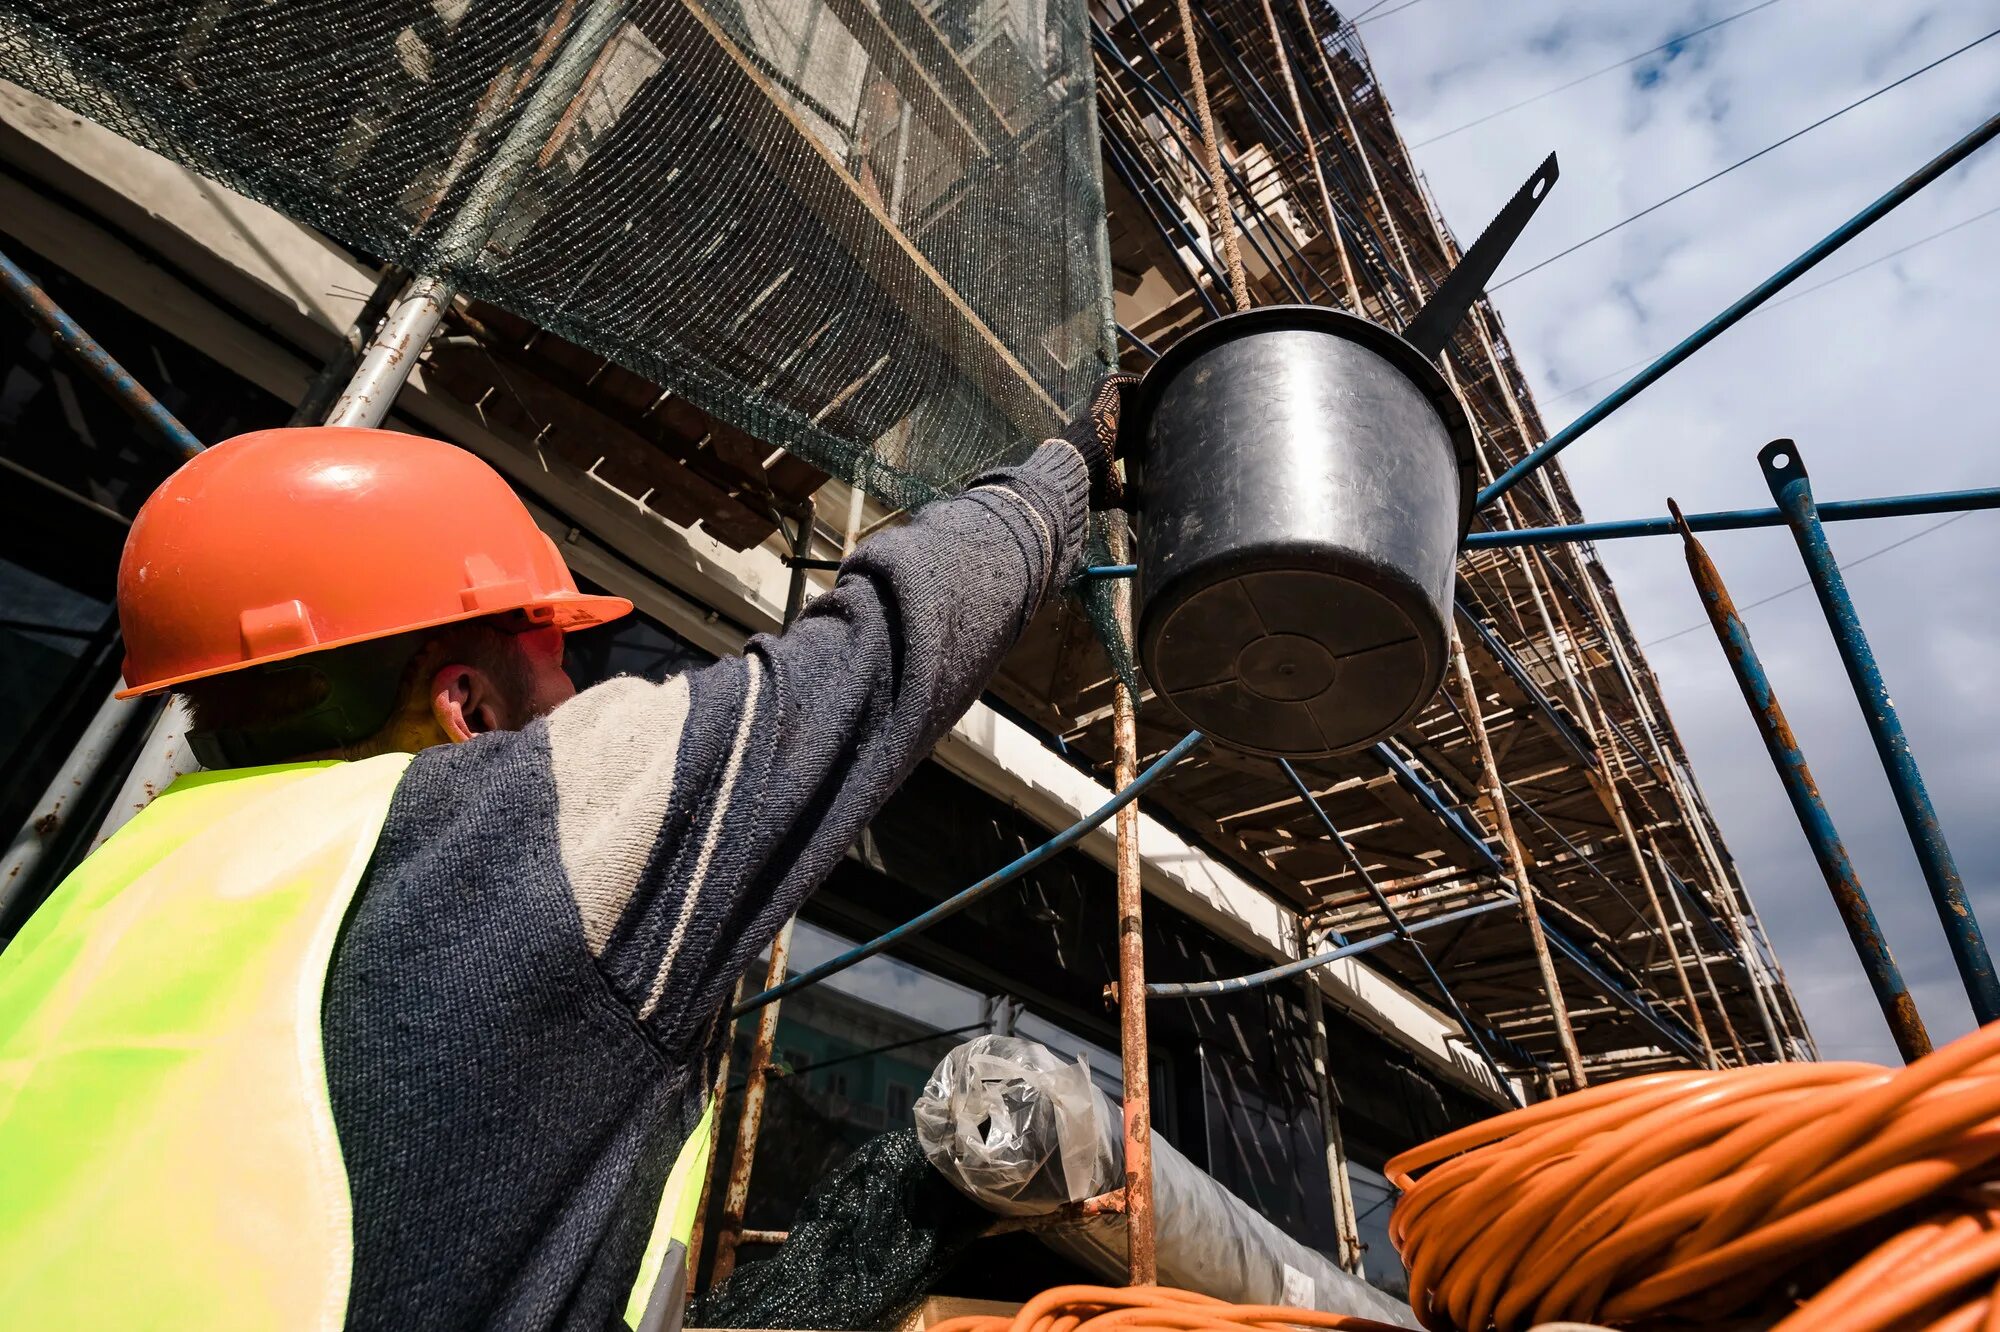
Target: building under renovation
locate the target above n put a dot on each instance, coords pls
(731, 285)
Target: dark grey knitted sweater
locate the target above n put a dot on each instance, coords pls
(523, 1013)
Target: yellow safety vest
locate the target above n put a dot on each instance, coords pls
(168, 1156)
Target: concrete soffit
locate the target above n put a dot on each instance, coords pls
(268, 297)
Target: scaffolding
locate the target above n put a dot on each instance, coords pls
(1533, 854)
(1550, 762)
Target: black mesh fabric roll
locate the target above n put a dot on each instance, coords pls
(869, 1241)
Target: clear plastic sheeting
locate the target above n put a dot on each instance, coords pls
(1015, 1127)
(1023, 1132)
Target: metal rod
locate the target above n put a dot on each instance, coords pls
(1608, 779)
(386, 365)
(392, 356)
(1785, 473)
(321, 393)
(1402, 931)
(102, 738)
(1225, 217)
(1346, 1226)
(1270, 975)
(718, 1097)
(951, 906)
(1673, 899)
(1762, 292)
(1892, 996)
(1517, 865)
(750, 1122)
(1141, 1259)
(1312, 157)
(88, 354)
(1726, 520)
(1274, 258)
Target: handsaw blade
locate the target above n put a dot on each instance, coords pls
(1431, 330)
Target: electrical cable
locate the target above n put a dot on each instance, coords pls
(1742, 162)
(1800, 587)
(1565, 87)
(1590, 384)
(1371, 16)
(1699, 1195)
(1149, 1309)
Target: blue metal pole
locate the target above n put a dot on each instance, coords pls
(951, 906)
(1725, 520)
(1785, 473)
(87, 352)
(1258, 979)
(1892, 996)
(1764, 291)
(1400, 930)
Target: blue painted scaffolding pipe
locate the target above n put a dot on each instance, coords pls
(1259, 979)
(1673, 1033)
(1885, 979)
(951, 906)
(69, 337)
(1726, 520)
(1397, 927)
(1785, 473)
(1764, 291)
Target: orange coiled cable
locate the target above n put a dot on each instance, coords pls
(1703, 1193)
(1149, 1309)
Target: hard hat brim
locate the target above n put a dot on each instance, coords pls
(572, 611)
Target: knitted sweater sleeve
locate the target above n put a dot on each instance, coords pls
(694, 816)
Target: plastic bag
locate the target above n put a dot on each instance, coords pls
(1015, 1127)
(1022, 1132)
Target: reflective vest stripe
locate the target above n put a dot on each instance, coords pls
(674, 1220)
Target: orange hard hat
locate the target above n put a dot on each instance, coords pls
(279, 543)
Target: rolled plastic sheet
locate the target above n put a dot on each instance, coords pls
(1023, 1132)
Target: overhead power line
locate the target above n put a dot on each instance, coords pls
(1596, 73)
(1900, 250)
(1371, 15)
(1799, 587)
(1743, 162)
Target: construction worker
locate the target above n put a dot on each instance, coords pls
(402, 1013)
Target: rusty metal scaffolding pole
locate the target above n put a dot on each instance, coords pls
(1402, 931)
(1284, 64)
(1784, 471)
(750, 1121)
(1694, 946)
(1142, 1260)
(1892, 996)
(1517, 865)
(1224, 219)
(1346, 1225)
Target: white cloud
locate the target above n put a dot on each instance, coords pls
(1884, 379)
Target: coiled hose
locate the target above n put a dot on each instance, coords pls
(1696, 1195)
(1148, 1309)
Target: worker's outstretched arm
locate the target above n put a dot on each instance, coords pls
(696, 815)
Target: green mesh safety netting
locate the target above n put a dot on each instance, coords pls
(868, 231)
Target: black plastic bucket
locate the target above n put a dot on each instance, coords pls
(1303, 480)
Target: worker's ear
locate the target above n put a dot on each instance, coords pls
(466, 701)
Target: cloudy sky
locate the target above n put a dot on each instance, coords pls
(1885, 378)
